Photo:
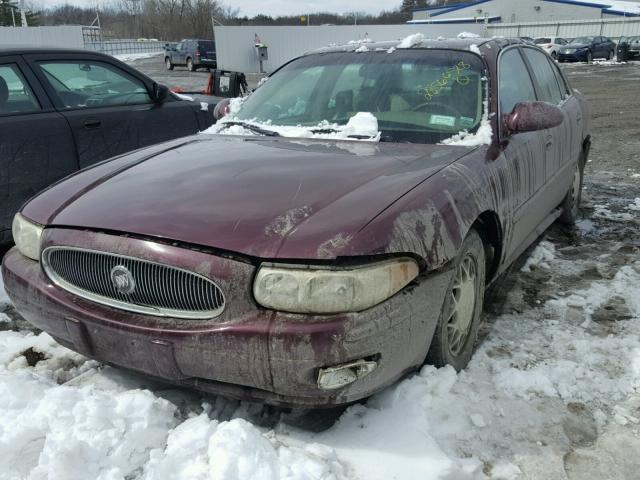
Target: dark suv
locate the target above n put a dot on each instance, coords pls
(192, 53)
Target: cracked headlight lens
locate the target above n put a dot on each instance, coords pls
(327, 290)
(27, 235)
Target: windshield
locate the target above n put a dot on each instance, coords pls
(417, 96)
(540, 41)
(582, 40)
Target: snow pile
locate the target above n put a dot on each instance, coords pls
(411, 40)
(130, 57)
(540, 257)
(464, 35)
(362, 124)
(483, 135)
(362, 49)
(635, 206)
(208, 449)
(604, 212)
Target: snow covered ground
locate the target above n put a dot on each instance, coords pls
(553, 392)
(130, 57)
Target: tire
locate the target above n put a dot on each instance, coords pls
(571, 203)
(457, 328)
(190, 66)
(167, 62)
(589, 57)
(554, 55)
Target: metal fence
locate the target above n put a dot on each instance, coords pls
(612, 28)
(119, 47)
(236, 50)
(62, 36)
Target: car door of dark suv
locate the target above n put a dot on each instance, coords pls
(36, 144)
(109, 107)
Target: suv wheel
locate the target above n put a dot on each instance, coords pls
(190, 66)
(167, 62)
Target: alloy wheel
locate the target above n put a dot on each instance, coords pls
(463, 302)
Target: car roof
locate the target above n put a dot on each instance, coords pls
(442, 43)
(25, 50)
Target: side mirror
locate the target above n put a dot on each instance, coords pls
(160, 92)
(533, 116)
(221, 109)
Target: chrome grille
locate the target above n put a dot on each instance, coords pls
(159, 289)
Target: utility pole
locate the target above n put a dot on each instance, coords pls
(23, 15)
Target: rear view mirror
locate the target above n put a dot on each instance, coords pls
(160, 92)
(221, 109)
(533, 116)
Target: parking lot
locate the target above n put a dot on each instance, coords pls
(553, 391)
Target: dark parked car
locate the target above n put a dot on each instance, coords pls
(312, 271)
(62, 110)
(585, 49)
(192, 53)
(629, 48)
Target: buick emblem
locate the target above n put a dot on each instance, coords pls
(122, 280)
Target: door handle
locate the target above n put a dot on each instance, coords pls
(93, 123)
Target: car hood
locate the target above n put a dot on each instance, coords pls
(249, 195)
(577, 45)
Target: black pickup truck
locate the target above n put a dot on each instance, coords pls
(62, 110)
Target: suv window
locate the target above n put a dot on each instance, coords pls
(82, 84)
(207, 46)
(15, 94)
(549, 88)
(514, 82)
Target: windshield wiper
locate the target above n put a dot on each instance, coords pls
(333, 130)
(253, 128)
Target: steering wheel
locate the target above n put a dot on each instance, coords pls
(444, 106)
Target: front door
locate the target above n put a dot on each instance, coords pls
(36, 145)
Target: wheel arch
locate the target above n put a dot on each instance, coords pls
(489, 227)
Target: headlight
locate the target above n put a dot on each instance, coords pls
(27, 235)
(326, 290)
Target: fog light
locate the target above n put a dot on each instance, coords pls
(331, 378)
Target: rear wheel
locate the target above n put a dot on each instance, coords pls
(457, 329)
(190, 66)
(167, 62)
(571, 203)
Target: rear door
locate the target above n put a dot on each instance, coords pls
(36, 144)
(207, 51)
(557, 141)
(109, 107)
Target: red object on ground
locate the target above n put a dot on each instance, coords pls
(209, 88)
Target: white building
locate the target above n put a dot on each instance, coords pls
(512, 11)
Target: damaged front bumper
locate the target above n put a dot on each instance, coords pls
(247, 352)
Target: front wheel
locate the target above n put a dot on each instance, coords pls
(571, 203)
(589, 57)
(457, 328)
(190, 66)
(167, 62)
(554, 55)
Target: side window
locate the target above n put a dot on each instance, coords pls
(549, 88)
(179, 46)
(91, 84)
(514, 82)
(561, 41)
(15, 95)
(564, 87)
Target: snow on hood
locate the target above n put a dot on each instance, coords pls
(411, 40)
(468, 35)
(362, 126)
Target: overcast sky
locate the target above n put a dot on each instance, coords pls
(268, 7)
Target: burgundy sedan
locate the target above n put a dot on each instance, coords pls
(333, 232)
